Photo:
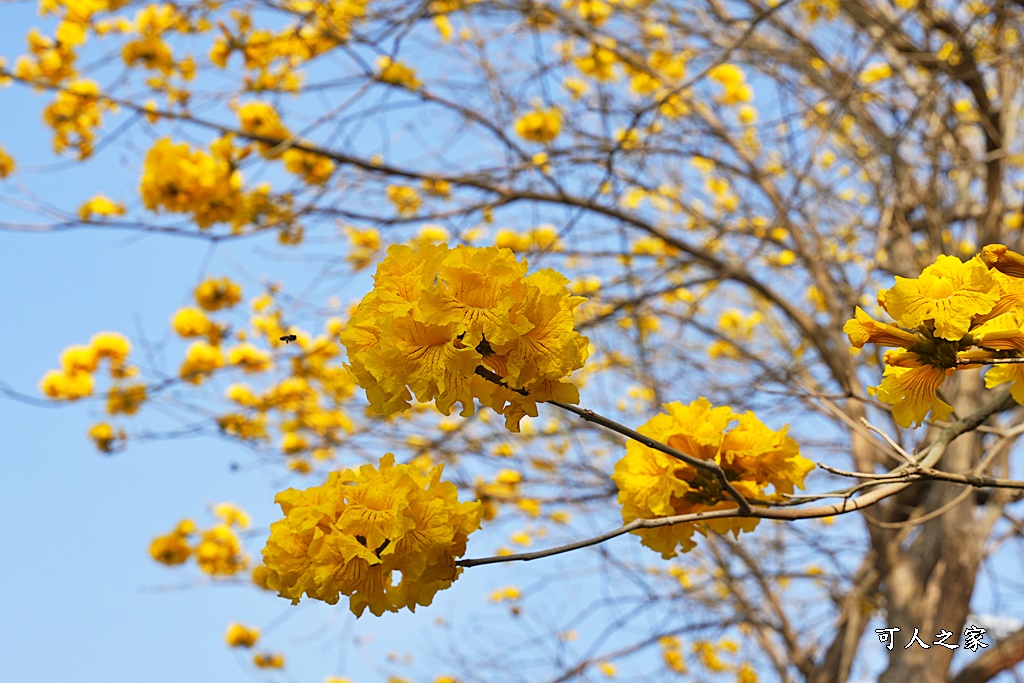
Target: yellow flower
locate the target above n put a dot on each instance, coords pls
(201, 359)
(173, 548)
(599, 63)
(1011, 295)
(510, 593)
(113, 346)
(912, 392)
(948, 293)
(397, 73)
(250, 358)
(652, 484)
(261, 119)
(313, 168)
(219, 552)
(6, 163)
(126, 400)
(733, 82)
(214, 294)
(863, 329)
(74, 115)
(177, 179)
(875, 72)
(64, 386)
(79, 358)
(1003, 333)
(437, 187)
(437, 314)
(349, 536)
(1000, 374)
(191, 322)
(406, 199)
(267, 660)
(232, 515)
(100, 206)
(998, 257)
(241, 636)
(106, 438)
(540, 125)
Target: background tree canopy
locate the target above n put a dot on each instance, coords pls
(724, 183)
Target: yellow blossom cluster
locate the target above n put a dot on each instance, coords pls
(260, 119)
(955, 315)
(397, 73)
(74, 115)
(213, 294)
(78, 363)
(539, 238)
(100, 205)
(539, 125)
(437, 315)
(653, 484)
(6, 163)
(406, 199)
(735, 89)
(178, 179)
(351, 534)
(50, 61)
(268, 660)
(217, 550)
(106, 437)
(272, 57)
(239, 635)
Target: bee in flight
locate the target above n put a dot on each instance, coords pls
(288, 338)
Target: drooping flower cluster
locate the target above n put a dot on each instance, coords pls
(437, 314)
(653, 484)
(349, 536)
(955, 315)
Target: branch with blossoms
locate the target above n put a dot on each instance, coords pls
(889, 484)
(469, 326)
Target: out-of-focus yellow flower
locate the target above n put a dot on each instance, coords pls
(219, 552)
(173, 548)
(201, 359)
(239, 635)
(874, 73)
(267, 660)
(177, 179)
(126, 400)
(250, 358)
(540, 125)
(100, 206)
(232, 515)
(191, 322)
(406, 199)
(7, 164)
(508, 593)
(106, 438)
(735, 89)
(213, 294)
(397, 73)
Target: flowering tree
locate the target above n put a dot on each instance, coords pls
(665, 242)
